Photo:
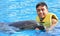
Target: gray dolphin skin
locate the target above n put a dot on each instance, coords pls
(24, 24)
(13, 27)
(17, 26)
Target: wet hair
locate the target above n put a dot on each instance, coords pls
(41, 4)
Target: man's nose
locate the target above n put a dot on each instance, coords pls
(41, 11)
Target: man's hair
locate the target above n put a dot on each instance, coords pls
(41, 4)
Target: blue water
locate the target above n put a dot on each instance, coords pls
(8, 31)
(54, 32)
(20, 10)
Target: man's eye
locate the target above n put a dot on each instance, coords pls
(38, 10)
(42, 9)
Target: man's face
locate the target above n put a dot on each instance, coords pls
(42, 11)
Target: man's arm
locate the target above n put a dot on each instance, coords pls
(54, 21)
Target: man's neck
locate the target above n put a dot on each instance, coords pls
(41, 19)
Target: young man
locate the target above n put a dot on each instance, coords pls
(46, 19)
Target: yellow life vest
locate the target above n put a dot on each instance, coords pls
(47, 20)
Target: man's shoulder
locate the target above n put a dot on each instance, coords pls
(54, 16)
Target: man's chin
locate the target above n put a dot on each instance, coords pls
(42, 17)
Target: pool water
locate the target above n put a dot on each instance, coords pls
(18, 10)
(54, 32)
